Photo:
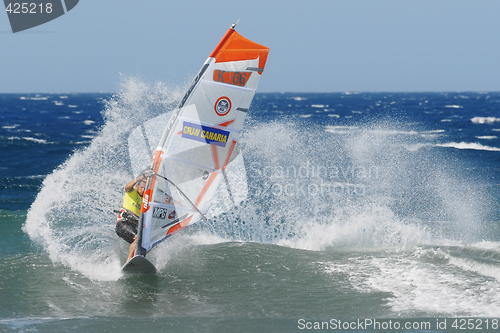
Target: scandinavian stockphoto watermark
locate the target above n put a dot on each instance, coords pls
(309, 180)
(27, 14)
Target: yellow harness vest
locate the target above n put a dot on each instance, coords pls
(132, 202)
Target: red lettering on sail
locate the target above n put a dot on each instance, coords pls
(234, 78)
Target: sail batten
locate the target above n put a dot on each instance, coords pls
(199, 142)
(228, 87)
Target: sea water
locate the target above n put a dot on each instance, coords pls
(362, 208)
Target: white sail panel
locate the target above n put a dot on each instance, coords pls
(142, 142)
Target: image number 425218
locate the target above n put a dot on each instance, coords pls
(26, 15)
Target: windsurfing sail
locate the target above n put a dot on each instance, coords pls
(231, 193)
(200, 140)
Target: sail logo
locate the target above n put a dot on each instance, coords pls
(222, 106)
(26, 15)
(234, 78)
(145, 201)
(206, 134)
(160, 213)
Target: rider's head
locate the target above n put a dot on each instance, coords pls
(141, 185)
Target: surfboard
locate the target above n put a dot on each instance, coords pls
(139, 264)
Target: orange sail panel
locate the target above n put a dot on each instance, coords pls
(234, 47)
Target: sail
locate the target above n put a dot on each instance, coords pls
(199, 142)
(231, 192)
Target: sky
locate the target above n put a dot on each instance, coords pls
(315, 45)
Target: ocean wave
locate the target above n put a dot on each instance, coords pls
(27, 138)
(340, 129)
(484, 269)
(417, 146)
(431, 133)
(37, 98)
(487, 245)
(467, 145)
(11, 126)
(417, 284)
(434, 131)
(485, 120)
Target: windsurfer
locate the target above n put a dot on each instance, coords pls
(128, 219)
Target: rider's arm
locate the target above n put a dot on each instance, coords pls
(130, 186)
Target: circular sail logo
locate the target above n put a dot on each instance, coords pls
(223, 106)
(26, 15)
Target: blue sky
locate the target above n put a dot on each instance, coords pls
(316, 45)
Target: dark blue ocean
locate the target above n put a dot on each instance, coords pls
(362, 209)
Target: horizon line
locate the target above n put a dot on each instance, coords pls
(290, 92)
